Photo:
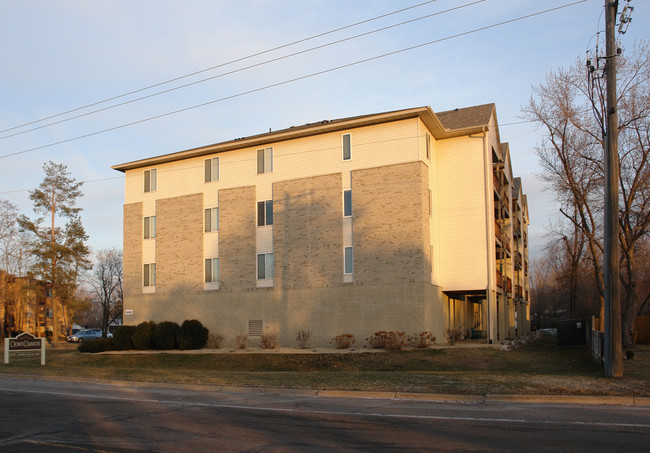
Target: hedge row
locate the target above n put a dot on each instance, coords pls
(150, 335)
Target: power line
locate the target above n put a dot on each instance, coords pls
(237, 60)
(314, 74)
(241, 69)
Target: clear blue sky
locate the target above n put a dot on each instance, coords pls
(60, 55)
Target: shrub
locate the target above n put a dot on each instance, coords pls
(303, 338)
(240, 340)
(453, 336)
(343, 341)
(192, 335)
(142, 335)
(122, 338)
(96, 345)
(164, 335)
(215, 340)
(269, 340)
(421, 340)
(390, 340)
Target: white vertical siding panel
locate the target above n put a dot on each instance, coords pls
(462, 215)
(265, 239)
(211, 245)
(148, 251)
(347, 232)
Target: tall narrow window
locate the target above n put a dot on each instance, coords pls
(430, 203)
(211, 169)
(347, 203)
(265, 213)
(150, 227)
(265, 266)
(347, 147)
(211, 220)
(149, 274)
(348, 267)
(212, 270)
(264, 160)
(150, 182)
(428, 146)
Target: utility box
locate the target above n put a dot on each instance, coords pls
(571, 332)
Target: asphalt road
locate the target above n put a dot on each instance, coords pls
(64, 416)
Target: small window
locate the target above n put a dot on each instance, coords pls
(347, 147)
(430, 203)
(150, 182)
(347, 203)
(349, 267)
(212, 169)
(265, 266)
(212, 270)
(264, 160)
(149, 275)
(211, 220)
(428, 146)
(265, 213)
(150, 227)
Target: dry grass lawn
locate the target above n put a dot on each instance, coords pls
(540, 368)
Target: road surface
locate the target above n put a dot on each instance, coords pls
(65, 416)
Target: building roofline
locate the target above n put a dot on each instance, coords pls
(426, 115)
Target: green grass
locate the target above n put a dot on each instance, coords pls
(540, 368)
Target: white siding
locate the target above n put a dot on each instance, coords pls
(372, 146)
(462, 207)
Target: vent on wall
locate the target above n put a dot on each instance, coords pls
(254, 327)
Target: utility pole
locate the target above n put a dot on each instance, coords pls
(613, 360)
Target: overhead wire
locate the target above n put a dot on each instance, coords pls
(237, 60)
(311, 49)
(295, 79)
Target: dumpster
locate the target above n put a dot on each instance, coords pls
(571, 332)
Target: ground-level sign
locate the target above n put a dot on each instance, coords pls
(24, 343)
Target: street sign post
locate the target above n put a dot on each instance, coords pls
(24, 343)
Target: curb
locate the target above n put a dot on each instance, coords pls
(640, 401)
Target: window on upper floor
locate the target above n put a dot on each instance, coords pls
(265, 213)
(211, 220)
(430, 203)
(150, 177)
(265, 266)
(264, 160)
(211, 169)
(150, 227)
(348, 267)
(428, 146)
(212, 270)
(149, 275)
(347, 203)
(347, 146)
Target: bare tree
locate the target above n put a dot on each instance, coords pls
(570, 108)
(106, 281)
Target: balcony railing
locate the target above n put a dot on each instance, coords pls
(519, 291)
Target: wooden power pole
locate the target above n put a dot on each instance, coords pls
(613, 360)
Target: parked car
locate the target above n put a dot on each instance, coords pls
(87, 335)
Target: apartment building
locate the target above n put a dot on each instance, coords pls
(407, 220)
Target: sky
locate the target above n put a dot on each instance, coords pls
(63, 55)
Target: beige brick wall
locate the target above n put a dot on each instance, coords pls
(308, 232)
(391, 224)
(179, 244)
(237, 236)
(132, 256)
